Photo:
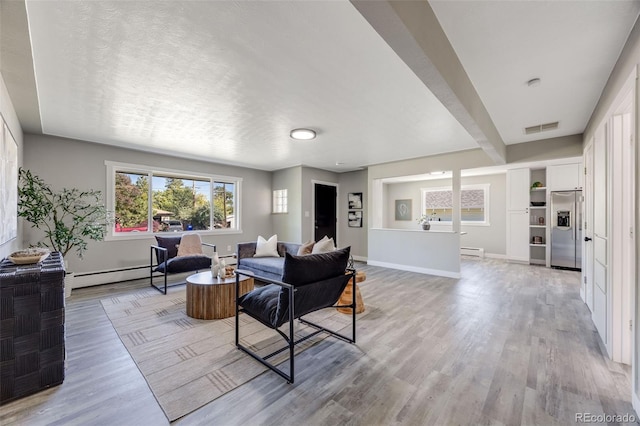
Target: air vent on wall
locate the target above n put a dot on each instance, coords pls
(541, 128)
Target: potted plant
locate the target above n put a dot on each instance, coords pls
(69, 218)
(424, 221)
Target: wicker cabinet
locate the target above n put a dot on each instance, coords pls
(32, 348)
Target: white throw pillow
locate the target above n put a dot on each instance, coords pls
(267, 248)
(190, 244)
(325, 245)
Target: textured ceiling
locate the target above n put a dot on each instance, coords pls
(225, 81)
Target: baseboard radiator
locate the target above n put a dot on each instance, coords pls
(472, 251)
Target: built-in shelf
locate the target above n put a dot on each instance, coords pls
(537, 226)
(538, 207)
(540, 188)
(537, 245)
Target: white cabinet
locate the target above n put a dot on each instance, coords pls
(517, 189)
(563, 177)
(518, 215)
(518, 235)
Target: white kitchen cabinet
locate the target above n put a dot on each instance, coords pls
(518, 235)
(564, 177)
(518, 215)
(518, 189)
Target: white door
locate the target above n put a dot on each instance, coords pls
(586, 290)
(601, 234)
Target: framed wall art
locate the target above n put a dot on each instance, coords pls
(8, 185)
(403, 209)
(355, 200)
(355, 219)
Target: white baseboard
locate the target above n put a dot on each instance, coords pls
(437, 272)
(495, 256)
(88, 279)
(472, 251)
(360, 258)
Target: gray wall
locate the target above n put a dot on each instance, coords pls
(71, 163)
(9, 115)
(288, 226)
(547, 149)
(492, 238)
(354, 237)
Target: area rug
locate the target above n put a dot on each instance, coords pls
(188, 362)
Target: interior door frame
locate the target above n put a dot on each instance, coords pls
(587, 247)
(313, 206)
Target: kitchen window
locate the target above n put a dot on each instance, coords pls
(437, 203)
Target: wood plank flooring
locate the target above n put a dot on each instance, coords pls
(507, 344)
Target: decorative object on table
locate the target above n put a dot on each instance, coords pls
(537, 184)
(355, 219)
(222, 269)
(403, 210)
(215, 265)
(424, 221)
(355, 200)
(30, 255)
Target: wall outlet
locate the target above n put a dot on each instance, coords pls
(228, 249)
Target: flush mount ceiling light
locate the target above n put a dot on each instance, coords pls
(534, 82)
(303, 134)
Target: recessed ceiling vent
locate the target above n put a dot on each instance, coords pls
(541, 128)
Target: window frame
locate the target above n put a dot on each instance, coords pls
(486, 187)
(112, 167)
(276, 200)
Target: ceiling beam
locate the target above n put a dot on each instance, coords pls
(412, 30)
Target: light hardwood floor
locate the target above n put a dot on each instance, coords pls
(506, 344)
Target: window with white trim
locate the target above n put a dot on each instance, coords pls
(437, 203)
(147, 200)
(280, 203)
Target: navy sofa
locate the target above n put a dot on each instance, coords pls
(268, 267)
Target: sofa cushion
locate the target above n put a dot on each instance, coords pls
(325, 245)
(262, 303)
(301, 270)
(271, 265)
(267, 248)
(306, 248)
(170, 243)
(190, 244)
(185, 264)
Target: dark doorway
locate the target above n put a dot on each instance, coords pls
(325, 211)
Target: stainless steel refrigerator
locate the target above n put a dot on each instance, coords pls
(566, 229)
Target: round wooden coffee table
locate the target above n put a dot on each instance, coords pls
(213, 298)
